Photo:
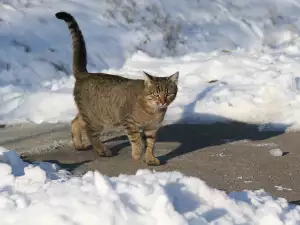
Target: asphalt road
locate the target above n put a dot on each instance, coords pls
(230, 157)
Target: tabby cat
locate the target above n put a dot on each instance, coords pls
(106, 100)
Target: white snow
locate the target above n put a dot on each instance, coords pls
(280, 188)
(276, 152)
(250, 46)
(41, 193)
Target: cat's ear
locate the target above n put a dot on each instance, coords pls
(174, 77)
(148, 79)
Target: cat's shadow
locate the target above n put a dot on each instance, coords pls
(192, 137)
(195, 136)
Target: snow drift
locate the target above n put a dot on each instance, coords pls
(41, 193)
(251, 47)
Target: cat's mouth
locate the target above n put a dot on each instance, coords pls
(161, 106)
(157, 106)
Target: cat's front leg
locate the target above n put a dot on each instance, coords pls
(150, 158)
(134, 136)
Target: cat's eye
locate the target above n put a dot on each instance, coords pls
(169, 94)
(155, 95)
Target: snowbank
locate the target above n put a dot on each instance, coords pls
(252, 87)
(41, 193)
(255, 88)
(251, 47)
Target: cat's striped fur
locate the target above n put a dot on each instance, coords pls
(105, 100)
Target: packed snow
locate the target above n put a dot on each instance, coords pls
(251, 47)
(276, 152)
(280, 188)
(41, 193)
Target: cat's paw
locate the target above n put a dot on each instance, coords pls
(105, 153)
(81, 147)
(136, 155)
(152, 161)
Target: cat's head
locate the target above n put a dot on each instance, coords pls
(160, 91)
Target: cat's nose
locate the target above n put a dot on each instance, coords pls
(162, 101)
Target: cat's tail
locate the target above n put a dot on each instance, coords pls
(78, 43)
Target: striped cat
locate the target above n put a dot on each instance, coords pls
(105, 100)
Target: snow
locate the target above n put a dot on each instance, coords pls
(42, 193)
(276, 152)
(280, 188)
(256, 89)
(251, 47)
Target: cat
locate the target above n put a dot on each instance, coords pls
(107, 100)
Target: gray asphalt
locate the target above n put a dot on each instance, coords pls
(230, 157)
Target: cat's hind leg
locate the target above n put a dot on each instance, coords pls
(79, 135)
(98, 146)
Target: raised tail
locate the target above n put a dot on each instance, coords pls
(78, 43)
